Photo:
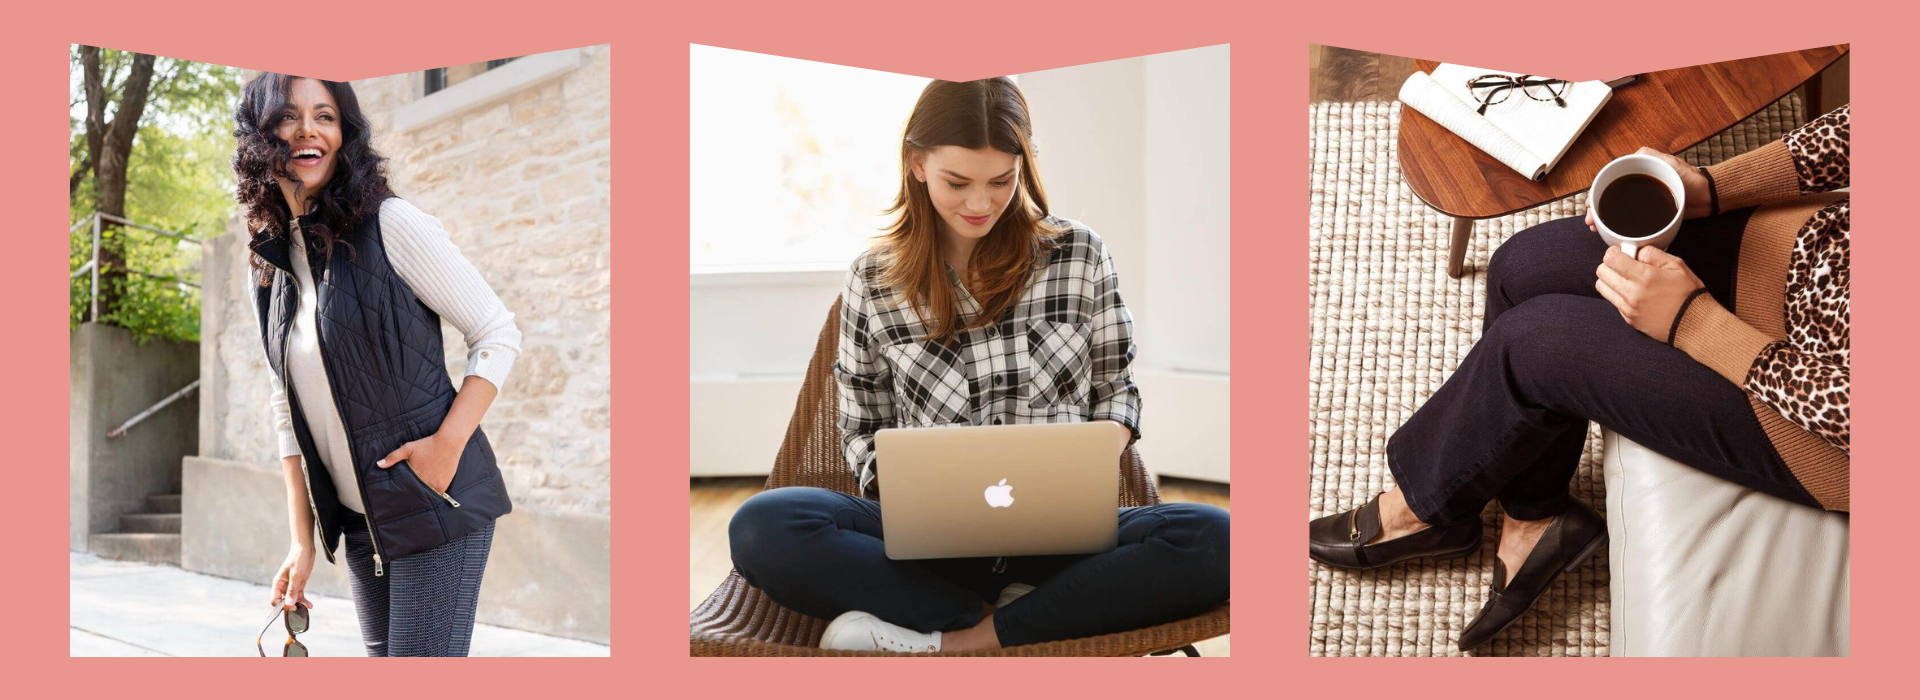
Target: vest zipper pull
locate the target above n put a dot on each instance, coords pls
(378, 570)
(450, 500)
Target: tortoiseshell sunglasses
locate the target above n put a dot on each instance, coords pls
(296, 624)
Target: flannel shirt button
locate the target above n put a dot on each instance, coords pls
(998, 380)
(996, 420)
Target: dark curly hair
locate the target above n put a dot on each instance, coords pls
(358, 185)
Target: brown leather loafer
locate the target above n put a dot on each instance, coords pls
(1339, 540)
(1570, 539)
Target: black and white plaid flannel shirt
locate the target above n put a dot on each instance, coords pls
(1062, 354)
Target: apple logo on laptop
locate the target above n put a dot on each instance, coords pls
(1000, 495)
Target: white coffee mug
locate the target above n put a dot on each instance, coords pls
(1637, 164)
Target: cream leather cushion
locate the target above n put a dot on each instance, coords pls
(1703, 567)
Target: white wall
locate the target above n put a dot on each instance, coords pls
(1189, 213)
(1138, 150)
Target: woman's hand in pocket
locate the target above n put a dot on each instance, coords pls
(435, 459)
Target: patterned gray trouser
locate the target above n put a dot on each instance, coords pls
(424, 604)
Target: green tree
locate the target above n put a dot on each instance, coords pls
(151, 140)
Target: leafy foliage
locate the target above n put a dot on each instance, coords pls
(178, 178)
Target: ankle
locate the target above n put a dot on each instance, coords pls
(1397, 516)
(980, 637)
(1516, 525)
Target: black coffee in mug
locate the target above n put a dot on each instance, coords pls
(1637, 205)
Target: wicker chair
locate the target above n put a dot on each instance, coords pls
(738, 620)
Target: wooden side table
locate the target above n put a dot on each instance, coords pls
(1671, 110)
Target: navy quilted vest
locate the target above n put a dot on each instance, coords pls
(382, 352)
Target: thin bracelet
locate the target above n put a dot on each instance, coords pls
(1713, 192)
(1675, 330)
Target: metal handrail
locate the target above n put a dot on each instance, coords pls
(175, 396)
(161, 231)
(93, 265)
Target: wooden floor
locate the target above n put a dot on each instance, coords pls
(1345, 75)
(711, 503)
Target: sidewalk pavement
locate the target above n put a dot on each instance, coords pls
(127, 609)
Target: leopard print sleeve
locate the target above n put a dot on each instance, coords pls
(1804, 377)
(1810, 392)
(1820, 151)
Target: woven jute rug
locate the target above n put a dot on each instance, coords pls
(1387, 327)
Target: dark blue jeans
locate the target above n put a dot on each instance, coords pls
(820, 552)
(1511, 423)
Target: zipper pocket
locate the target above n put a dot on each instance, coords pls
(423, 484)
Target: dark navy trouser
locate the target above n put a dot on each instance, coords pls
(820, 552)
(1553, 354)
(424, 605)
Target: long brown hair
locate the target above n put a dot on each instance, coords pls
(359, 183)
(975, 114)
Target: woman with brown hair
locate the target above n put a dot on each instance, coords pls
(977, 307)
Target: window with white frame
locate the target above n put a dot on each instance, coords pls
(437, 79)
(793, 162)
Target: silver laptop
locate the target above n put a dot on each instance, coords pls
(1004, 490)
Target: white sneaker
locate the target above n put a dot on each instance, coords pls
(1012, 592)
(859, 631)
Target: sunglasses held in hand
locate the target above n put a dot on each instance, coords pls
(296, 625)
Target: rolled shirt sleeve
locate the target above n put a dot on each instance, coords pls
(864, 382)
(1115, 396)
(444, 279)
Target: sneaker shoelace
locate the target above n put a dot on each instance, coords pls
(886, 641)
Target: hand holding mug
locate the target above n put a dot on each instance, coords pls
(1699, 200)
(1647, 294)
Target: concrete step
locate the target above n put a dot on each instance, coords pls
(162, 523)
(153, 548)
(163, 503)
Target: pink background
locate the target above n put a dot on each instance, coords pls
(957, 41)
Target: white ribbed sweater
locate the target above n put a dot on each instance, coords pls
(420, 252)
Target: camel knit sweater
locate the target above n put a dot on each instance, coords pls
(1785, 339)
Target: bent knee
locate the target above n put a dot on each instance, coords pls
(1555, 318)
(1202, 536)
(1537, 251)
(761, 529)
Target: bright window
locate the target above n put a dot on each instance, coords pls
(793, 162)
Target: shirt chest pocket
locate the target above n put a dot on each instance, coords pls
(929, 383)
(1060, 356)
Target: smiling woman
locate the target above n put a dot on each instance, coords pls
(978, 307)
(274, 185)
(368, 420)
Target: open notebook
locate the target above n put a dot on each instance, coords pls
(1528, 135)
